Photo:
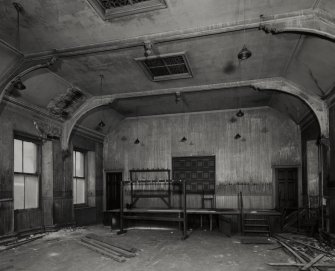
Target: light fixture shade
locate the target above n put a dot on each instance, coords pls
(18, 84)
(240, 114)
(184, 139)
(237, 136)
(18, 6)
(101, 124)
(137, 141)
(244, 54)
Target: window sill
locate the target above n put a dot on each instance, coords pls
(27, 210)
(81, 206)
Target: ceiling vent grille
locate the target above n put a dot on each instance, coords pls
(109, 9)
(166, 67)
(107, 4)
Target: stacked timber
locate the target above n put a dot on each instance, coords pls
(308, 252)
(108, 247)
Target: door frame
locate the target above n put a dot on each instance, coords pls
(104, 200)
(275, 183)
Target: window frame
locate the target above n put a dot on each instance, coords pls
(113, 13)
(84, 152)
(31, 139)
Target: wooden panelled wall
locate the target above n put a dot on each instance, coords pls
(56, 208)
(331, 179)
(267, 138)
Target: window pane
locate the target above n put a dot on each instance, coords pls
(29, 157)
(80, 164)
(74, 163)
(17, 155)
(18, 192)
(74, 191)
(31, 192)
(80, 191)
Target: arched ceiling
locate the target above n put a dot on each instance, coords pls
(210, 33)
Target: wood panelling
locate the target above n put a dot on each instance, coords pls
(56, 207)
(63, 211)
(6, 217)
(6, 177)
(62, 187)
(12, 120)
(25, 220)
(268, 138)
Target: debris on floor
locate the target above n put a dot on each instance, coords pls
(256, 240)
(18, 242)
(108, 247)
(308, 252)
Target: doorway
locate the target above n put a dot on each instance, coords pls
(113, 183)
(287, 188)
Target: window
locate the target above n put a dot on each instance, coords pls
(166, 67)
(79, 183)
(109, 9)
(26, 177)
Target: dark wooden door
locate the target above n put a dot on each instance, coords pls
(287, 185)
(113, 182)
(198, 171)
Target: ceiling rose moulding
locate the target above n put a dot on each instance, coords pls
(170, 36)
(318, 106)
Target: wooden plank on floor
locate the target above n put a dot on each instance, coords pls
(111, 242)
(312, 262)
(104, 252)
(102, 245)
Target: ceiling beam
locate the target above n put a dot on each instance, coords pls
(268, 23)
(318, 106)
(317, 22)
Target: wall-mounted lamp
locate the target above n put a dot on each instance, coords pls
(101, 124)
(137, 141)
(18, 84)
(237, 136)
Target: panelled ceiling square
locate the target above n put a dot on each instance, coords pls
(166, 67)
(109, 9)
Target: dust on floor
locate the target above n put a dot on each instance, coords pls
(158, 250)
